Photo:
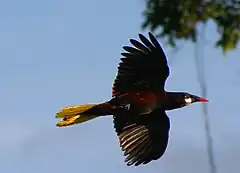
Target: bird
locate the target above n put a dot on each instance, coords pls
(138, 104)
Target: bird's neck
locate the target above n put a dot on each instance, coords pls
(171, 100)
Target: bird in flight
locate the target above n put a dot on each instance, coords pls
(139, 102)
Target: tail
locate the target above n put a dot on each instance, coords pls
(78, 114)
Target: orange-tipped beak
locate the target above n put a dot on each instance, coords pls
(203, 99)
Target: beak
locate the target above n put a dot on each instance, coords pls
(201, 99)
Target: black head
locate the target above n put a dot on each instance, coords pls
(189, 99)
(180, 99)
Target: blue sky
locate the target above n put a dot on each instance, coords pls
(58, 53)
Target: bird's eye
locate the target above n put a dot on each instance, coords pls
(188, 100)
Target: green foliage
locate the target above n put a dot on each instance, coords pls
(178, 19)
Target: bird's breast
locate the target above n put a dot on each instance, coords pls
(139, 102)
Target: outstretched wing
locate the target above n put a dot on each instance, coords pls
(143, 67)
(143, 138)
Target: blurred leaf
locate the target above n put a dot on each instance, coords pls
(177, 20)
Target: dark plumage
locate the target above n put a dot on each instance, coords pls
(143, 68)
(139, 102)
(143, 139)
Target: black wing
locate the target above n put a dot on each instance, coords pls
(143, 138)
(141, 68)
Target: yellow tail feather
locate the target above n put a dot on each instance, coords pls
(72, 115)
